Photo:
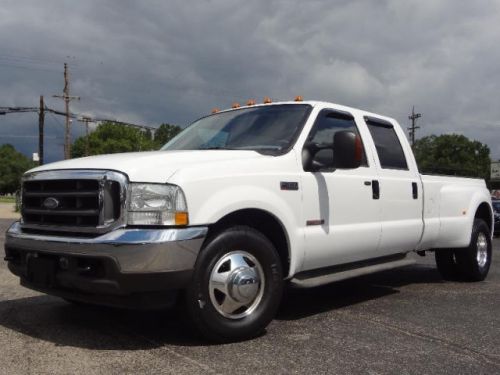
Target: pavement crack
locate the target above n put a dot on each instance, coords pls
(477, 355)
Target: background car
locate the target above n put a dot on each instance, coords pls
(496, 211)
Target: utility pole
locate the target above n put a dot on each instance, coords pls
(41, 120)
(67, 98)
(414, 116)
(86, 120)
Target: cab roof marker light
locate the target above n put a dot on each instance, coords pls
(236, 105)
(251, 102)
(267, 100)
(299, 98)
(215, 110)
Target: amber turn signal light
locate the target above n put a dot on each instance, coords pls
(181, 218)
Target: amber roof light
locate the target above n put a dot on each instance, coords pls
(215, 110)
(267, 100)
(251, 102)
(299, 98)
(236, 105)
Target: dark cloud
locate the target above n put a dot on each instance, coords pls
(156, 61)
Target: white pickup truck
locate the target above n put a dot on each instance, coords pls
(238, 204)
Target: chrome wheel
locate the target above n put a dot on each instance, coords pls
(236, 284)
(482, 250)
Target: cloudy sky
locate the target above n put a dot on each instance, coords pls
(150, 62)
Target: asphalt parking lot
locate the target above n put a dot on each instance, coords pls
(405, 321)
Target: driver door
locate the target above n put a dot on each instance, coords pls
(341, 209)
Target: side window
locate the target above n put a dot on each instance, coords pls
(389, 150)
(327, 124)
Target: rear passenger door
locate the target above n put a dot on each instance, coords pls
(400, 189)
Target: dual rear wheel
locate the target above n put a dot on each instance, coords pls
(471, 263)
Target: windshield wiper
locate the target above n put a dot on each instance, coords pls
(218, 148)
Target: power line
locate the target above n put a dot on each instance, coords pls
(146, 127)
(7, 110)
(52, 112)
(22, 58)
(48, 110)
(27, 67)
(30, 63)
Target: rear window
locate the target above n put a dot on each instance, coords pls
(389, 149)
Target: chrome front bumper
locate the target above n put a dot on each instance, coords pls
(133, 250)
(137, 268)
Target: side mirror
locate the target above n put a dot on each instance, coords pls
(308, 153)
(347, 150)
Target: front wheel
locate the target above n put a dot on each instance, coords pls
(237, 285)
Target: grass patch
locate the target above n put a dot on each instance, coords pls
(7, 199)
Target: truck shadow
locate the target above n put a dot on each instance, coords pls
(53, 320)
(302, 303)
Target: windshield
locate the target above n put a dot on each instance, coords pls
(268, 129)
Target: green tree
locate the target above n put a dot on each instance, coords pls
(452, 154)
(110, 138)
(165, 133)
(12, 166)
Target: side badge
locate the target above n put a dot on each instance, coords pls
(287, 185)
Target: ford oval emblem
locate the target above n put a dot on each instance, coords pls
(50, 203)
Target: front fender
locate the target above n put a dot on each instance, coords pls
(284, 206)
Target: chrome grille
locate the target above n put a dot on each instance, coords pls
(75, 201)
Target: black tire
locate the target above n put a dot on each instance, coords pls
(472, 266)
(200, 295)
(446, 264)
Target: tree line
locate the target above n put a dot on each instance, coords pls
(110, 138)
(452, 154)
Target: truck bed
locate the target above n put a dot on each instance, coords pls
(444, 213)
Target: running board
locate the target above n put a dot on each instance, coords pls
(302, 281)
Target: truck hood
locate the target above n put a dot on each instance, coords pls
(152, 166)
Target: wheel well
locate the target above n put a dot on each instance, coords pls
(262, 221)
(484, 212)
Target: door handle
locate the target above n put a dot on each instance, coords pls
(375, 189)
(414, 188)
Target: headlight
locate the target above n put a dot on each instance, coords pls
(157, 204)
